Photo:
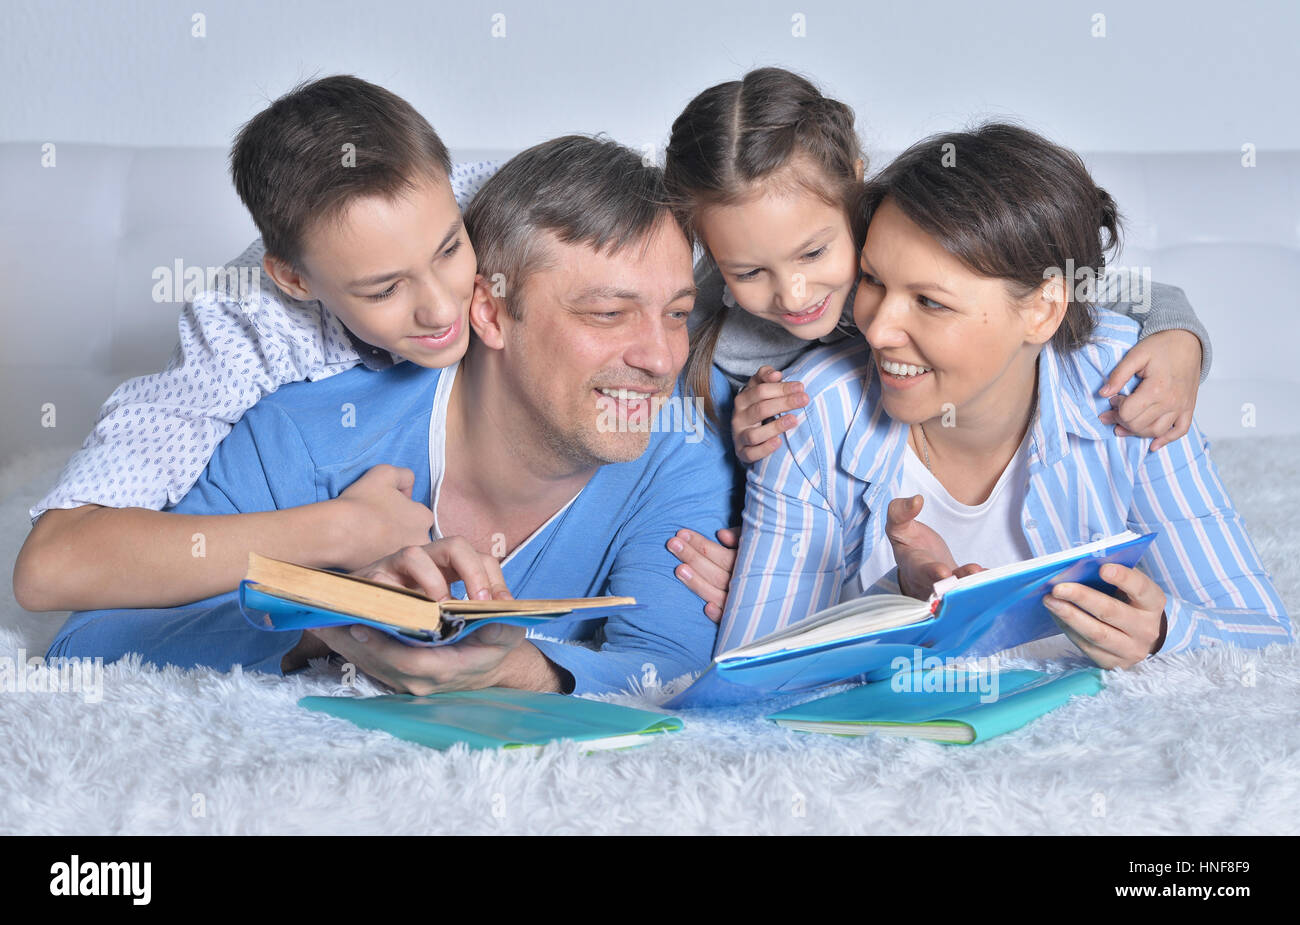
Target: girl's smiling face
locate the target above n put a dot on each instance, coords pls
(940, 333)
(786, 254)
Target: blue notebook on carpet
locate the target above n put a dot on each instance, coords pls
(498, 718)
(862, 639)
(947, 705)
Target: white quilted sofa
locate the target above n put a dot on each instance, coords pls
(79, 243)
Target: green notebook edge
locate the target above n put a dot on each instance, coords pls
(495, 718)
(1020, 706)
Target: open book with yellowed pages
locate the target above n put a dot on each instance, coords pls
(281, 596)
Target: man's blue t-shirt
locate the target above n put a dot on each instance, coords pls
(307, 442)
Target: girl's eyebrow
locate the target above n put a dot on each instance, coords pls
(803, 246)
(808, 242)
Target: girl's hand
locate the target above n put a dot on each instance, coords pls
(434, 567)
(706, 566)
(754, 433)
(921, 554)
(1118, 631)
(1169, 364)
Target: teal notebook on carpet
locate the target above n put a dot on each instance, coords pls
(947, 705)
(862, 639)
(498, 718)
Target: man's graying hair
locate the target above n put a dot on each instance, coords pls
(584, 190)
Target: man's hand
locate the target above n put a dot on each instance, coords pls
(753, 432)
(494, 656)
(706, 566)
(1169, 364)
(376, 514)
(921, 554)
(1114, 631)
(434, 567)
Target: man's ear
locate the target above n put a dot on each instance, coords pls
(488, 315)
(290, 281)
(1045, 309)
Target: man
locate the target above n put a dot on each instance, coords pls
(533, 448)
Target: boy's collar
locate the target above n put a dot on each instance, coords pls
(372, 357)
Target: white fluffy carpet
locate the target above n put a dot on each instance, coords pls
(1201, 743)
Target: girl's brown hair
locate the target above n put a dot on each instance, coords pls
(739, 133)
(1010, 205)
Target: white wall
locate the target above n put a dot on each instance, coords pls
(1168, 76)
(76, 244)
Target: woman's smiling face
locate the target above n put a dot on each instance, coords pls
(786, 254)
(940, 333)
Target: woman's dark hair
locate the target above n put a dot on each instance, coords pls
(742, 132)
(1010, 205)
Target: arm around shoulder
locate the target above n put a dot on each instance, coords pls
(1218, 589)
(257, 493)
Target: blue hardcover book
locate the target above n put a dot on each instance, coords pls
(280, 596)
(973, 616)
(952, 706)
(498, 718)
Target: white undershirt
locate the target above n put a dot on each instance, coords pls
(988, 534)
(438, 457)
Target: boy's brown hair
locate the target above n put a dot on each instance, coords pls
(293, 168)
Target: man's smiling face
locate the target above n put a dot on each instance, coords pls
(600, 338)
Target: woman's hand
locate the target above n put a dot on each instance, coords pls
(754, 433)
(1114, 631)
(706, 566)
(921, 554)
(1169, 364)
(434, 567)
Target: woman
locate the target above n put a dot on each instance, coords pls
(976, 388)
(766, 173)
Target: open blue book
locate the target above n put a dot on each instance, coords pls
(860, 639)
(952, 706)
(498, 718)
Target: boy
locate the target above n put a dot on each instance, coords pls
(362, 239)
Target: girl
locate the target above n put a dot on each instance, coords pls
(975, 388)
(765, 173)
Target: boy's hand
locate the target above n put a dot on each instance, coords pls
(921, 554)
(434, 567)
(1114, 631)
(706, 566)
(1169, 364)
(765, 396)
(377, 515)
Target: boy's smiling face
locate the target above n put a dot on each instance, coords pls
(398, 272)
